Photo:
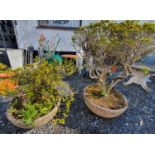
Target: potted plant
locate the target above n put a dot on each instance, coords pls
(41, 96)
(49, 53)
(110, 46)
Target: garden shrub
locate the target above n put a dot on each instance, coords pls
(38, 93)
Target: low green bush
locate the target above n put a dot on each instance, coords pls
(40, 87)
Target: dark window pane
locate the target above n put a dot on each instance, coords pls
(60, 23)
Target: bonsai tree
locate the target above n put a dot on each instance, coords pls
(95, 40)
(40, 89)
(109, 45)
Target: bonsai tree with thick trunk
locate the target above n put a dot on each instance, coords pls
(108, 45)
(95, 40)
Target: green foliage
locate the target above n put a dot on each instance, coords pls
(29, 113)
(146, 69)
(132, 40)
(3, 68)
(68, 67)
(37, 93)
(64, 110)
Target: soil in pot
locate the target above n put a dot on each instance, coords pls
(113, 101)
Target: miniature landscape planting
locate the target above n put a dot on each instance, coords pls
(111, 94)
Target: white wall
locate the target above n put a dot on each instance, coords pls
(27, 34)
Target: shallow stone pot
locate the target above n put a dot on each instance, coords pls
(105, 112)
(37, 123)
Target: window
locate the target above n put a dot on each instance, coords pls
(59, 24)
(7, 34)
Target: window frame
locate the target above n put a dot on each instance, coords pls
(58, 27)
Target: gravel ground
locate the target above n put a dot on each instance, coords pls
(139, 118)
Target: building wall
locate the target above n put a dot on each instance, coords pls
(28, 33)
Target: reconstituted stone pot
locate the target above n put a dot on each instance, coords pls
(37, 123)
(105, 112)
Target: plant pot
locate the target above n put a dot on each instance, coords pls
(37, 123)
(106, 112)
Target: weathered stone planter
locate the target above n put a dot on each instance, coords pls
(105, 112)
(37, 123)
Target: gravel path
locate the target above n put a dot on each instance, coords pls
(139, 118)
